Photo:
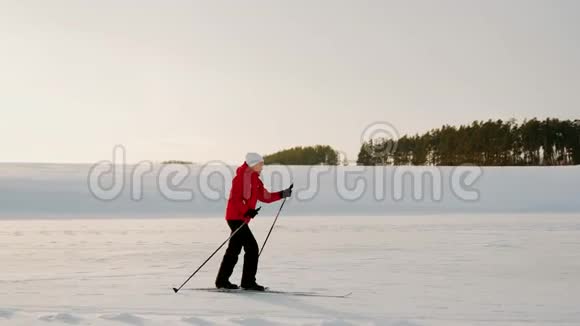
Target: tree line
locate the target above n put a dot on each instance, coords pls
(309, 155)
(486, 143)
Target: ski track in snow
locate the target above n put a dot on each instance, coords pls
(403, 271)
(126, 318)
(196, 321)
(64, 318)
(6, 314)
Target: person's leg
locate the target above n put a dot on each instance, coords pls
(231, 256)
(250, 259)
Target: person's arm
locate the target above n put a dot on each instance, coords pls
(268, 197)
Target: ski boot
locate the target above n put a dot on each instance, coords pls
(253, 287)
(226, 285)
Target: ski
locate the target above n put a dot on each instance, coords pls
(268, 291)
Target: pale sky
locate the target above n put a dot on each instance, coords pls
(212, 80)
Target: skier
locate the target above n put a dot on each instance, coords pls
(247, 189)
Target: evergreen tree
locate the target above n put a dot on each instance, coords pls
(310, 155)
(491, 142)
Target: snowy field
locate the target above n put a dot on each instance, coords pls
(430, 270)
(509, 257)
(43, 191)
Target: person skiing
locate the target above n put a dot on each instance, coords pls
(247, 189)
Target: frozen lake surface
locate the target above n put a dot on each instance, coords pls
(432, 270)
(42, 191)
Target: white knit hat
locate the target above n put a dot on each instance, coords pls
(253, 159)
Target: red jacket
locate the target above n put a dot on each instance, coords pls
(247, 189)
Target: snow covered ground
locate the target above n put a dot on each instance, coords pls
(503, 269)
(61, 190)
(509, 257)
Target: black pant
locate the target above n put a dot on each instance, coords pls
(243, 238)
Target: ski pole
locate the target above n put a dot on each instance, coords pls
(208, 258)
(271, 228)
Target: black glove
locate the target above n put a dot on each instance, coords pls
(251, 213)
(286, 192)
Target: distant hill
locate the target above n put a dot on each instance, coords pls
(309, 155)
(176, 162)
